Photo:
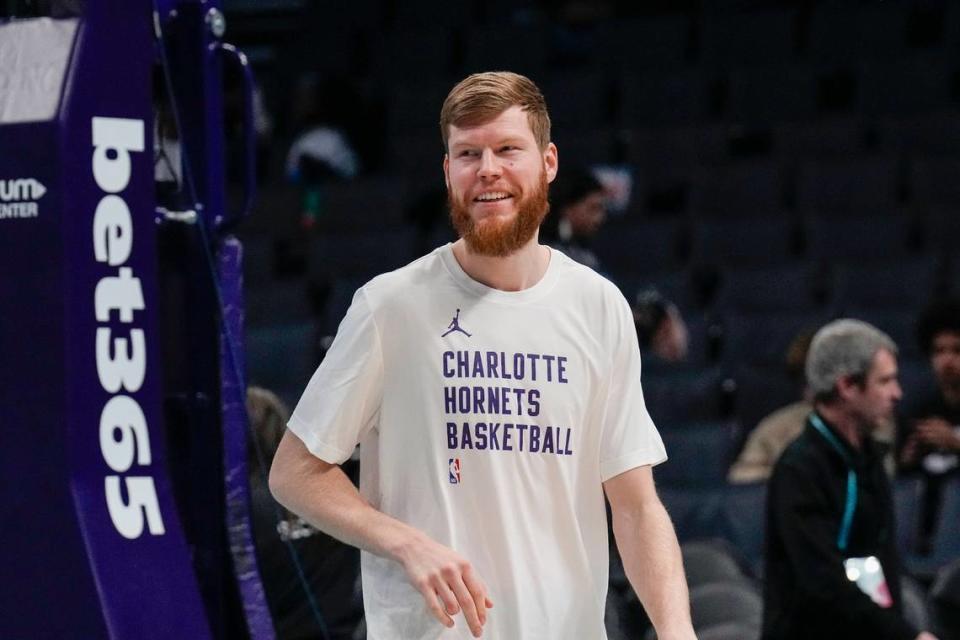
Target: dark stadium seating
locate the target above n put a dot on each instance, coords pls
(686, 444)
(776, 289)
(750, 189)
(743, 521)
(281, 356)
(641, 45)
(907, 496)
(685, 397)
(741, 40)
(281, 302)
(639, 247)
(833, 239)
(866, 184)
(905, 285)
(769, 94)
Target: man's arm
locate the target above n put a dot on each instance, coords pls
(650, 553)
(326, 498)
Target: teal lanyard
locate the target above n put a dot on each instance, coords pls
(851, 501)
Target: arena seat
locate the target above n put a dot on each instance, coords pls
(341, 295)
(839, 33)
(953, 276)
(427, 46)
(928, 134)
(730, 631)
(588, 146)
(694, 512)
(786, 288)
(763, 338)
(770, 94)
(913, 600)
(945, 600)
(281, 356)
(751, 189)
(279, 302)
(945, 546)
(709, 561)
(652, 43)
(835, 239)
(688, 465)
(899, 322)
(413, 104)
(933, 180)
(905, 285)
(684, 397)
(762, 388)
(367, 202)
(907, 492)
(861, 184)
(942, 236)
(363, 254)
(658, 98)
(732, 39)
(834, 137)
(665, 154)
(578, 100)
(258, 260)
(916, 377)
(433, 12)
(639, 247)
(717, 603)
(522, 49)
(743, 521)
(913, 84)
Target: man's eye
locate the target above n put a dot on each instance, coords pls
(508, 148)
(468, 153)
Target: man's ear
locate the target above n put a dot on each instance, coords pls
(446, 169)
(846, 386)
(551, 161)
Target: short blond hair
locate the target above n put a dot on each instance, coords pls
(481, 97)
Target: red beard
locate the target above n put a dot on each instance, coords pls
(493, 237)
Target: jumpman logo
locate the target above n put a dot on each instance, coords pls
(455, 326)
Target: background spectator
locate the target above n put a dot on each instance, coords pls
(288, 547)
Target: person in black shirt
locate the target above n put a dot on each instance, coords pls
(579, 201)
(832, 569)
(930, 428)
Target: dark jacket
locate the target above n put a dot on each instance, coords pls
(806, 593)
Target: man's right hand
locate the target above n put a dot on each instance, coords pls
(323, 495)
(447, 582)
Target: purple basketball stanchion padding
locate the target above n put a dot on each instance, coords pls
(118, 474)
(93, 547)
(235, 426)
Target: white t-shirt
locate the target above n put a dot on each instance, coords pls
(487, 419)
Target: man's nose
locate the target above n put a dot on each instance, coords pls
(897, 391)
(489, 166)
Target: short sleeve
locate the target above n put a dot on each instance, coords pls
(629, 438)
(342, 400)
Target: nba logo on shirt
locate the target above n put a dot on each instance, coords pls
(454, 467)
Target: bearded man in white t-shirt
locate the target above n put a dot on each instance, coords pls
(493, 386)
